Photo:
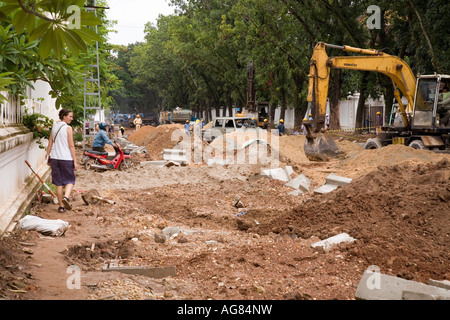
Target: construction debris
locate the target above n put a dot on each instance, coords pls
(152, 272)
(300, 183)
(175, 156)
(332, 183)
(278, 173)
(377, 286)
(93, 197)
(329, 243)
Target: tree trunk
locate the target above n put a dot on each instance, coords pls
(272, 108)
(335, 93)
(361, 103)
(230, 105)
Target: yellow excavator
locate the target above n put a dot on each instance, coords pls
(428, 126)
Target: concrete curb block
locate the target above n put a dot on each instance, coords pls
(176, 155)
(329, 243)
(300, 183)
(332, 182)
(377, 286)
(278, 173)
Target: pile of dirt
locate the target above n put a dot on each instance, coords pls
(13, 266)
(156, 139)
(398, 214)
(366, 161)
(90, 255)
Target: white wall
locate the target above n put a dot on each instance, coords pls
(16, 146)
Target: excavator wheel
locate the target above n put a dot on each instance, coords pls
(373, 143)
(417, 144)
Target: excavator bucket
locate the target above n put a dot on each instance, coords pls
(319, 146)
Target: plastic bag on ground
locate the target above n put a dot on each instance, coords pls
(47, 227)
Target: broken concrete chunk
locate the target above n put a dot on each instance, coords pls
(376, 286)
(327, 244)
(301, 182)
(170, 231)
(278, 173)
(289, 171)
(160, 238)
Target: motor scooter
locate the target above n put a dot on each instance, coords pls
(99, 160)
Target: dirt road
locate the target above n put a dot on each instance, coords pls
(396, 207)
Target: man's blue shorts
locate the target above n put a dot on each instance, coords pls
(62, 172)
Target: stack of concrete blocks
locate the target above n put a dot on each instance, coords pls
(172, 157)
(130, 147)
(332, 182)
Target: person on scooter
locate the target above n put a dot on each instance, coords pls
(101, 139)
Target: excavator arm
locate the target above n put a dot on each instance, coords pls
(318, 145)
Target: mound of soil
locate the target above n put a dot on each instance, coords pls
(90, 255)
(398, 214)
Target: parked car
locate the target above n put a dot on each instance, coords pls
(222, 125)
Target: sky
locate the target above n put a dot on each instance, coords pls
(132, 15)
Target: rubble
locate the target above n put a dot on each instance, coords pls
(232, 233)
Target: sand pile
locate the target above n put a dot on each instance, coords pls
(369, 160)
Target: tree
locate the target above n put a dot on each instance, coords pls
(35, 37)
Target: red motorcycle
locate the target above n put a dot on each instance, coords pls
(99, 160)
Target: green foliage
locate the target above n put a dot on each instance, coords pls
(77, 136)
(59, 24)
(40, 125)
(41, 40)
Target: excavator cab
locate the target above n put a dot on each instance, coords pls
(432, 105)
